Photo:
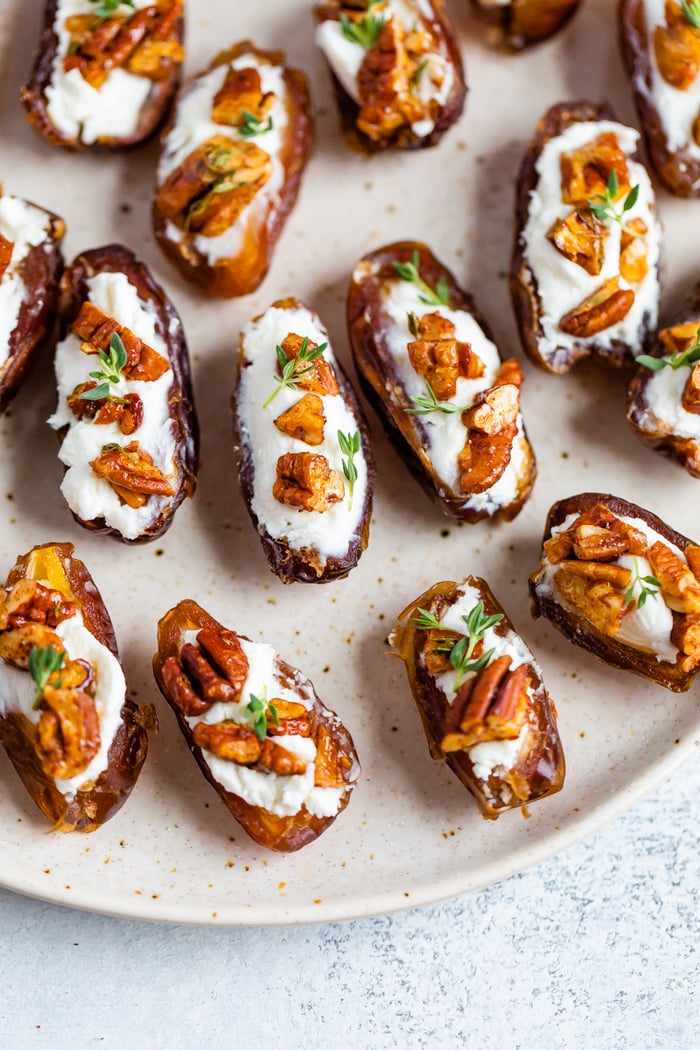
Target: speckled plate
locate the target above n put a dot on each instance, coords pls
(411, 833)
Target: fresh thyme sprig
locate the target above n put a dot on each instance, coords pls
(252, 126)
(227, 182)
(603, 204)
(438, 296)
(678, 359)
(650, 587)
(461, 653)
(112, 364)
(691, 10)
(418, 72)
(293, 368)
(259, 709)
(426, 405)
(106, 8)
(364, 32)
(43, 662)
(349, 446)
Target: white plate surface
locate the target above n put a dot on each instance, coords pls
(411, 834)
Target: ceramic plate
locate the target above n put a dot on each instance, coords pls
(411, 833)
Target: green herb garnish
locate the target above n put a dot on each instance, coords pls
(366, 30)
(678, 359)
(293, 368)
(691, 10)
(259, 708)
(106, 8)
(426, 405)
(349, 446)
(649, 585)
(252, 126)
(43, 662)
(112, 365)
(418, 73)
(409, 272)
(461, 652)
(603, 205)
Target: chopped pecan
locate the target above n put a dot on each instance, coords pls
(239, 174)
(223, 648)
(596, 543)
(216, 157)
(206, 681)
(126, 412)
(304, 420)
(180, 690)
(680, 337)
(293, 719)
(692, 553)
(490, 706)
(307, 481)
(161, 50)
(617, 575)
(606, 307)
(31, 602)
(279, 760)
(691, 391)
(602, 603)
(228, 740)
(240, 94)
(437, 648)
(558, 547)
(492, 425)
(17, 643)
(6, 249)
(685, 635)
(585, 171)
(599, 515)
(580, 237)
(317, 376)
(680, 589)
(633, 251)
(330, 761)
(96, 329)
(131, 473)
(677, 48)
(68, 732)
(437, 355)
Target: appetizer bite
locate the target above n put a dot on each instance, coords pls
(661, 46)
(396, 68)
(480, 695)
(30, 267)
(75, 739)
(519, 23)
(105, 72)
(125, 413)
(619, 582)
(280, 760)
(429, 366)
(305, 465)
(663, 398)
(585, 268)
(231, 167)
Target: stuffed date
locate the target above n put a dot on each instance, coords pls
(520, 23)
(619, 582)
(480, 695)
(30, 267)
(231, 168)
(125, 411)
(305, 465)
(280, 760)
(75, 739)
(105, 73)
(585, 267)
(396, 68)
(429, 366)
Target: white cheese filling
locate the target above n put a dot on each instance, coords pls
(18, 691)
(647, 629)
(328, 533)
(345, 57)
(562, 285)
(676, 109)
(193, 126)
(26, 226)
(282, 795)
(661, 405)
(78, 109)
(87, 495)
(446, 433)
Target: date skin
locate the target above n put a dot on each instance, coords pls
(525, 22)
(92, 806)
(580, 630)
(114, 258)
(33, 96)
(244, 272)
(523, 284)
(379, 381)
(282, 834)
(542, 770)
(679, 170)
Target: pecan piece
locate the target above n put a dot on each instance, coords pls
(617, 575)
(329, 762)
(307, 481)
(6, 249)
(492, 425)
(31, 602)
(679, 587)
(161, 50)
(602, 603)
(317, 376)
(131, 473)
(490, 706)
(223, 648)
(633, 251)
(692, 553)
(585, 171)
(596, 543)
(216, 157)
(17, 643)
(180, 690)
(438, 356)
(600, 516)
(580, 237)
(685, 635)
(126, 412)
(677, 48)
(210, 685)
(680, 337)
(68, 732)
(386, 101)
(691, 391)
(241, 93)
(229, 741)
(304, 421)
(605, 308)
(437, 648)
(277, 759)
(558, 547)
(96, 329)
(238, 176)
(695, 130)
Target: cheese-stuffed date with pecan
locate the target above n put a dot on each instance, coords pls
(280, 760)
(125, 411)
(396, 68)
(619, 582)
(105, 73)
(75, 738)
(30, 267)
(480, 695)
(661, 46)
(306, 469)
(586, 257)
(519, 23)
(663, 398)
(231, 168)
(429, 365)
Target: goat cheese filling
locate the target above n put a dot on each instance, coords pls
(26, 227)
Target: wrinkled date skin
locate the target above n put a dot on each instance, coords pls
(367, 325)
(244, 272)
(114, 258)
(541, 771)
(685, 450)
(40, 271)
(678, 170)
(93, 805)
(280, 833)
(33, 94)
(522, 23)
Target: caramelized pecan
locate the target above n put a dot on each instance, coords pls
(68, 732)
(28, 601)
(304, 421)
(277, 759)
(131, 473)
(677, 48)
(633, 251)
(438, 356)
(126, 412)
(580, 237)
(329, 762)
(235, 177)
(685, 635)
(207, 683)
(490, 706)
(606, 307)
(307, 481)
(96, 329)
(437, 648)
(492, 425)
(680, 337)
(585, 171)
(223, 648)
(602, 603)
(691, 391)
(6, 248)
(240, 94)
(692, 553)
(17, 643)
(318, 376)
(229, 741)
(617, 575)
(216, 157)
(679, 587)
(293, 719)
(180, 690)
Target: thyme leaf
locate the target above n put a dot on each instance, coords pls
(691, 11)
(439, 296)
(426, 405)
(365, 31)
(43, 662)
(678, 359)
(106, 8)
(649, 587)
(111, 372)
(252, 126)
(461, 653)
(293, 368)
(603, 205)
(349, 446)
(259, 708)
